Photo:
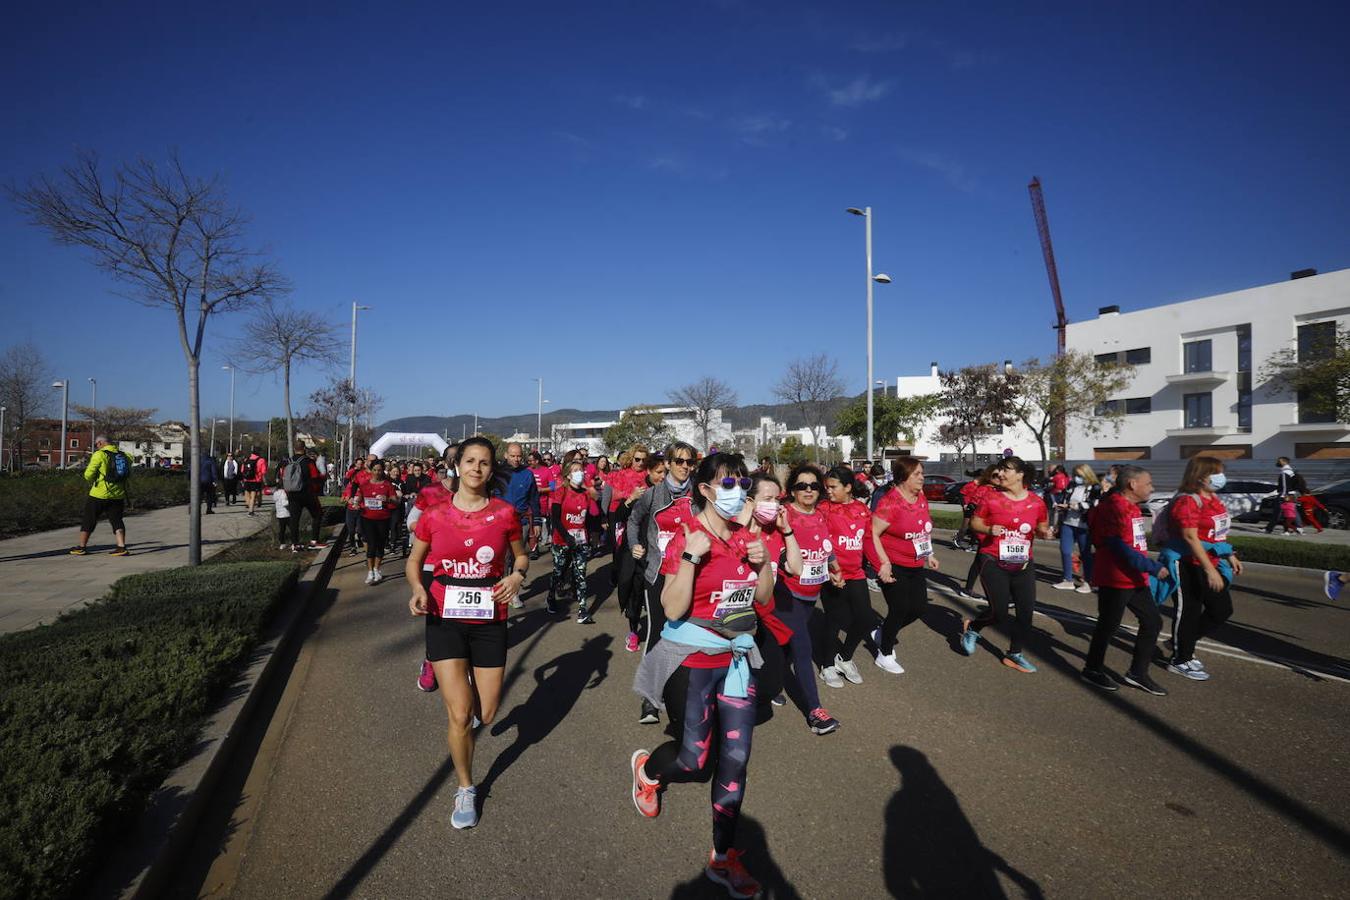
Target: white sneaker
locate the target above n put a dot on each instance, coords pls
(889, 663)
(370, 577)
(830, 675)
(379, 576)
(1084, 588)
(1063, 586)
(848, 669)
(284, 547)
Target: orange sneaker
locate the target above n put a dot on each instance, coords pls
(732, 875)
(646, 794)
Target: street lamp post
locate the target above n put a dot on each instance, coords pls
(2, 438)
(351, 419)
(64, 385)
(231, 447)
(880, 278)
(93, 404)
(881, 384)
(539, 419)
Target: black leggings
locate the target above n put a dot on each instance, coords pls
(849, 610)
(631, 586)
(1199, 610)
(297, 503)
(1111, 605)
(376, 533)
(656, 614)
(708, 725)
(1002, 587)
(976, 565)
(906, 599)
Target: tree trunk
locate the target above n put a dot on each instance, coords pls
(195, 466)
(290, 420)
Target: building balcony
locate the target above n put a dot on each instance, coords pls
(1203, 431)
(1315, 428)
(1199, 379)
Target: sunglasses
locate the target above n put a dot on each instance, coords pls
(681, 461)
(730, 482)
(639, 459)
(807, 486)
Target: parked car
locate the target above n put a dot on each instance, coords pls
(1335, 497)
(952, 493)
(935, 487)
(1242, 498)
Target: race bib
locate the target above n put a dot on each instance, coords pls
(374, 502)
(1014, 549)
(737, 595)
(1138, 536)
(1221, 524)
(923, 546)
(663, 540)
(468, 603)
(577, 534)
(815, 573)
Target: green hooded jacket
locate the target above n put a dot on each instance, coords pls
(96, 473)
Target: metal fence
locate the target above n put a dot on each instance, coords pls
(1167, 472)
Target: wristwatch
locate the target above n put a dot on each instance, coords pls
(691, 558)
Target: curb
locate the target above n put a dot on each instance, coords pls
(173, 811)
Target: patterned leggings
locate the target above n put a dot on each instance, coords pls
(563, 557)
(696, 707)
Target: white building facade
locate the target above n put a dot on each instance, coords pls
(928, 445)
(1197, 385)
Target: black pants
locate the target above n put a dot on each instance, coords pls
(631, 586)
(906, 599)
(376, 533)
(1277, 519)
(231, 491)
(298, 503)
(849, 610)
(656, 614)
(209, 495)
(1199, 610)
(1002, 587)
(976, 565)
(354, 530)
(1111, 605)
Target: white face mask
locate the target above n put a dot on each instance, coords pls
(577, 478)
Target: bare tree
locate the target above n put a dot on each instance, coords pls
(702, 398)
(173, 241)
(810, 384)
(25, 392)
(279, 337)
(120, 423)
(329, 405)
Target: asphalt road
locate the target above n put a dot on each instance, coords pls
(959, 778)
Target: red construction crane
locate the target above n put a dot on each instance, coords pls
(1048, 251)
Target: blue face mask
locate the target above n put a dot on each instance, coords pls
(1217, 481)
(1078, 479)
(730, 501)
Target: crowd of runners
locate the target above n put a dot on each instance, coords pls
(743, 590)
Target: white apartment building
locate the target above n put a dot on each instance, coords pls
(772, 433)
(1197, 386)
(928, 445)
(678, 419)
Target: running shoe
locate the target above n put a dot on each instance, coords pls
(873, 586)
(780, 700)
(517, 603)
(284, 547)
(646, 794)
(584, 616)
(650, 715)
(876, 637)
(1063, 586)
(317, 545)
(466, 808)
(1145, 684)
(370, 577)
(426, 679)
(1331, 584)
(1197, 664)
(1019, 662)
(120, 551)
(970, 639)
(1098, 678)
(379, 576)
(631, 644)
(551, 607)
(830, 675)
(848, 669)
(888, 663)
(1084, 588)
(821, 722)
(295, 548)
(1187, 670)
(78, 551)
(731, 874)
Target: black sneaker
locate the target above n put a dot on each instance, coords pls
(650, 714)
(584, 617)
(821, 722)
(1098, 678)
(551, 607)
(1145, 684)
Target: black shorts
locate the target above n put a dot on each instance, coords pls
(483, 644)
(94, 508)
(253, 486)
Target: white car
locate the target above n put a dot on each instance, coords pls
(1243, 499)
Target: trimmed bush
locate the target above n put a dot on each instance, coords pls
(43, 500)
(99, 706)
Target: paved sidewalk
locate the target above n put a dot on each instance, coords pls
(42, 579)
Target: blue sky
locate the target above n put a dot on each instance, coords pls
(623, 197)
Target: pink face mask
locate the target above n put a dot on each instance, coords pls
(766, 511)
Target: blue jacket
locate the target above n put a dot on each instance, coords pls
(521, 491)
(1171, 556)
(209, 473)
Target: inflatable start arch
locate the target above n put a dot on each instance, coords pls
(397, 438)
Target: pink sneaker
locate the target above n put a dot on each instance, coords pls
(426, 681)
(631, 644)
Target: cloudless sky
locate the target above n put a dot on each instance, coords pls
(625, 196)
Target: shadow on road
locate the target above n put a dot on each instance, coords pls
(750, 837)
(930, 849)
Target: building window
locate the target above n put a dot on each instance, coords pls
(1199, 356)
(45, 442)
(1140, 357)
(1129, 406)
(1199, 409)
(1105, 359)
(1244, 378)
(1244, 342)
(1317, 341)
(44, 457)
(74, 444)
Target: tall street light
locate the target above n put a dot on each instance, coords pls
(539, 419)
(64, 385)
(93, 423)
(2, 436)
(879, 278)
(881, 384)
(351, 419)
(231, 447)
(213, 435)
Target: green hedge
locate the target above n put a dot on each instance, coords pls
(43, 500)
(99, 706)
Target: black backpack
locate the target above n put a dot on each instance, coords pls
(119, 467)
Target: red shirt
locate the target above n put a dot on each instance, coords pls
(1209, 518)
(723, 581)
(972, 492)
(908, 538)
(1116, 517)
(574, 505)
(468, 546)
(812, 531)
(1019, 517)
(850, 531)
(433, 494)
(774, 546)
(542, 476)
(668, 523)
(376, 499)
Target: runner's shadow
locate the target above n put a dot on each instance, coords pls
(930, 849)
(559, 684)
(750, 838)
